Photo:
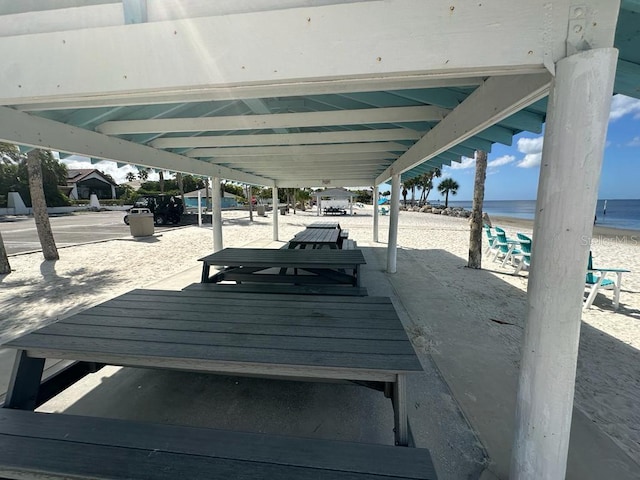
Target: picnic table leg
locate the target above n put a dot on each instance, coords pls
(205, 273)
(356, 271)
(400, 410)
(25, 382)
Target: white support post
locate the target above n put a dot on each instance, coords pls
(199, 208)
(319, 205)
(392, 247)
(375, 213)
(216, 217)
(274, 201)
(574, 141)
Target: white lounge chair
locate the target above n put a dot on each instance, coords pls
(596, 280)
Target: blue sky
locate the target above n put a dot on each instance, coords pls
(512, 172)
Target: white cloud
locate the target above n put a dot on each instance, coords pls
(622, 105)
(532, 148)
(500, 161)
(635, 142)
(118, 174)
(465, 162)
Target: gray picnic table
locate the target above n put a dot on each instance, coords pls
(358, 339)
(249, 264)
(327, 225)
(316, 238)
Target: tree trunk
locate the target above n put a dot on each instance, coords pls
(250, 197)
(161, 181)
(446, 199)
(39, 206)
(180, 181)
(4, 260)
(475, 237)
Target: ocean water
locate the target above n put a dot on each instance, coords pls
(623, 214)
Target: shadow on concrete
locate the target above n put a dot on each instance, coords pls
(471, 324)
(306, 409)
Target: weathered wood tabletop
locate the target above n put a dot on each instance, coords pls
(314, 337)
(328, 225)
(244, 264)
(316, 238)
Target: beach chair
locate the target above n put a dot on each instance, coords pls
(525, 249)
(505, 247)
(596, 280)
(491, 238)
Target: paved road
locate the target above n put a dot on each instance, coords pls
(20, 235)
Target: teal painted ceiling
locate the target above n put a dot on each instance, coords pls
(530, 119)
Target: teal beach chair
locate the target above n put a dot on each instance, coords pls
(505, 247)
(525, 249)
(596, 280)
(491, 239)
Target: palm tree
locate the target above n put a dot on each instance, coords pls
(143, 174)
(446, 187)
(425, 182)
(404, 192)
(130, 177)
(39, 203)
(4, 259)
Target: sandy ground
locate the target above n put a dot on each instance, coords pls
(608, 379)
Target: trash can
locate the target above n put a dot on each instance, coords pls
(141, 223)
(260, 210)
(283, 210)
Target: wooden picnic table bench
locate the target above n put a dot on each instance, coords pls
(358, 339)
(320, 266)
(55, 446)
(286, 289)
(334, 211)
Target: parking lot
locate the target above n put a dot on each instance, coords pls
(20, 234)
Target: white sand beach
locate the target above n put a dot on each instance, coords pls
(433, 248)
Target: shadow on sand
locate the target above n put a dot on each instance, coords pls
(472, 323)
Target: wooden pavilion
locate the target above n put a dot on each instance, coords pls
(308, 93)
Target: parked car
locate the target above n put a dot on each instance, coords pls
(165, 208)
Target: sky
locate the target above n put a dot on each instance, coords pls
(512, 171)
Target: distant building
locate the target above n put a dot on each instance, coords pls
(191, 199)
(82, 183)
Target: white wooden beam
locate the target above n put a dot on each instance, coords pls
(280, 173)
(365, 116)
(325, 41)
(290, 150)
(321, 182)
(494, 100)
(394, 213)
(24, 129)
(574, 143)
(216, 213)
(311, 138)
(317, 159)
(209, 93)
(328, 165)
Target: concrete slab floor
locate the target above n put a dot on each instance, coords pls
(324, 410)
